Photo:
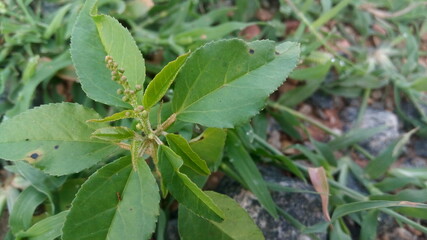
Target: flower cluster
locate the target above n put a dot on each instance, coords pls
(117, 75)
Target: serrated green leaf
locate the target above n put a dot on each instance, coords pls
(237, 224)
(115, 203)
(226, 82)
(88, 54)
(114, 134)
(181, 147)
(23, 209)
(54, 138)
(183, 189)
(47, 229)
(247, 170)
(116, 116)
(119, 44)
(210, 146)
(162, 81)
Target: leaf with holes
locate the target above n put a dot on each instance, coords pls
(115, 203)
(224, 83)
(55, 138)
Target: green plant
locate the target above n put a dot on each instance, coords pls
(219, 85)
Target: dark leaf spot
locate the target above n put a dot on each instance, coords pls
(27, 139)
(56, 146)
(277, 53)
(130, 209)
(34, 155)
(251, 51)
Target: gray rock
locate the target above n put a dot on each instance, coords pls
(322, 100)
(420, 147)
(378, 118)
(172, 230)
(374, 118)
(305, 207)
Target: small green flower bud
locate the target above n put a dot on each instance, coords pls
(109, 62)
(123, 78)
(138, 87)
(113, 73)
(139, 108)
(125, 98)
(126, 91)
(144, 114)
(121, 70)
(107, 58)
(151, 136)
(138, 126)
(114, 78)
(119, 91)
(127, 114)
(115, 65)
(131, 92)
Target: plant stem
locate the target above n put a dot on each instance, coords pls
(363, 106)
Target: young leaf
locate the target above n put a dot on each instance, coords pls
(115, 203)
(237, 224)
(162, 81)
(114, 134)
(47, 229)
(119, 44)
(183, 189)
(54, 138)
(180, 146)
(226, 82)
(88, 54)
(210, 146)
(116, 116)
(248, 171)
(320, 182)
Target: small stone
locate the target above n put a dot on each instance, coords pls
(379, 118)
(322, 100)
(420, 147)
